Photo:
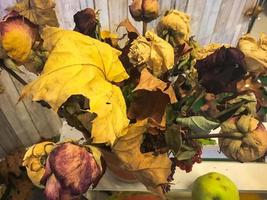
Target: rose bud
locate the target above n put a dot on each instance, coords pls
(17, 35)
(252, 142)
(221, 70)
(70, 171)
(144, 10)
(34, 161)
(175, 25)
(86, 22)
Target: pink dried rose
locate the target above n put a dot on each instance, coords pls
(70, 171)
(17, 35)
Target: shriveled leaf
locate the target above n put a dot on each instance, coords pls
(148, 104)
(149, 169)
(185, 155)
(250, 107)
(151, 83)
(173, 138)
(2, 89)
(198, 124)
(78, 64)
(128, 25)
(38, 11)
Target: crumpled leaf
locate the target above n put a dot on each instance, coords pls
(253, 139)
(148, 104)
(38, 11)
(151, 170)
(255, 52)
(128, 25)
(173, 138)
(34, 161)
(175, 24)
(2, 89)
(198, 124)
(154, 52)
(78, 64)
(151, 83)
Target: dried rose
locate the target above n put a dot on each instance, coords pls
(144, 10)
(221, 70)
(208, 49)
(70, 171)
(86, 22)
(17, 35)
(34, 160)
(175, 24)
(253, 139)
(255, 53)
(154, 52)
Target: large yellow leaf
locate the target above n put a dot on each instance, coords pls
(80, 65)
(149, 169)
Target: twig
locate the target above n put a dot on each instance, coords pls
(215, 135)
(144, 28)
(12, 73)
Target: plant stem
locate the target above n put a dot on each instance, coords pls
(144, 28)
(12, 73)
(215, 135)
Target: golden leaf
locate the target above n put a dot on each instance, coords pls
(78, 64)
(149, 169)
(37, 11)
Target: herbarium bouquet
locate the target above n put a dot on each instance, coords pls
(148, 104)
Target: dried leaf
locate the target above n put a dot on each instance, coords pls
(149, 169)
(185, 155)
(37, 11)
(198, 124)
(78, 64)
(148, 104)
(128, 25)
(173, 138)
(151, 83)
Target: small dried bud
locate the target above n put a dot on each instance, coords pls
(86, 22)
(144, 10)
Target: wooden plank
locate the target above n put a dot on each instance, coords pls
(5, 4)
(16, 113)
(102, 5)
(181, 5)
(86, 4)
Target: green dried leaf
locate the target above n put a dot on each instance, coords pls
(173, 138)
(185, 155)
(198, 124)
(263, 80)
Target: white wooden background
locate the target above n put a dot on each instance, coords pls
(23, 123)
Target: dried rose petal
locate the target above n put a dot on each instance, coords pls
(220, 71)
(74, 167)
(18, 35)
(53, 189)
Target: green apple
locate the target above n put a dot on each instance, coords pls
(214, 186)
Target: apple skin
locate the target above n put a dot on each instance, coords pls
(214, 186)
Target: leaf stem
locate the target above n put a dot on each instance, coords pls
(12, 73)
(214, 135)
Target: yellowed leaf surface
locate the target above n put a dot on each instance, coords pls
(38, 11)
(149, 169)
(151, 83)
(78, 64)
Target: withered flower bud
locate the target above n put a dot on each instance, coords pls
(144, 10)
(86, 22)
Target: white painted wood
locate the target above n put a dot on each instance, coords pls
(102, 6)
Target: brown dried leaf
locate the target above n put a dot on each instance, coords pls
(128, 25)
(151, 83)
(38, 11)
(149, 169)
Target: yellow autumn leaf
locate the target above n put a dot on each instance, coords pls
(37, 11)
(78, 64)
(149, 169)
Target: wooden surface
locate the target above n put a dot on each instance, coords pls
(23, 123)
